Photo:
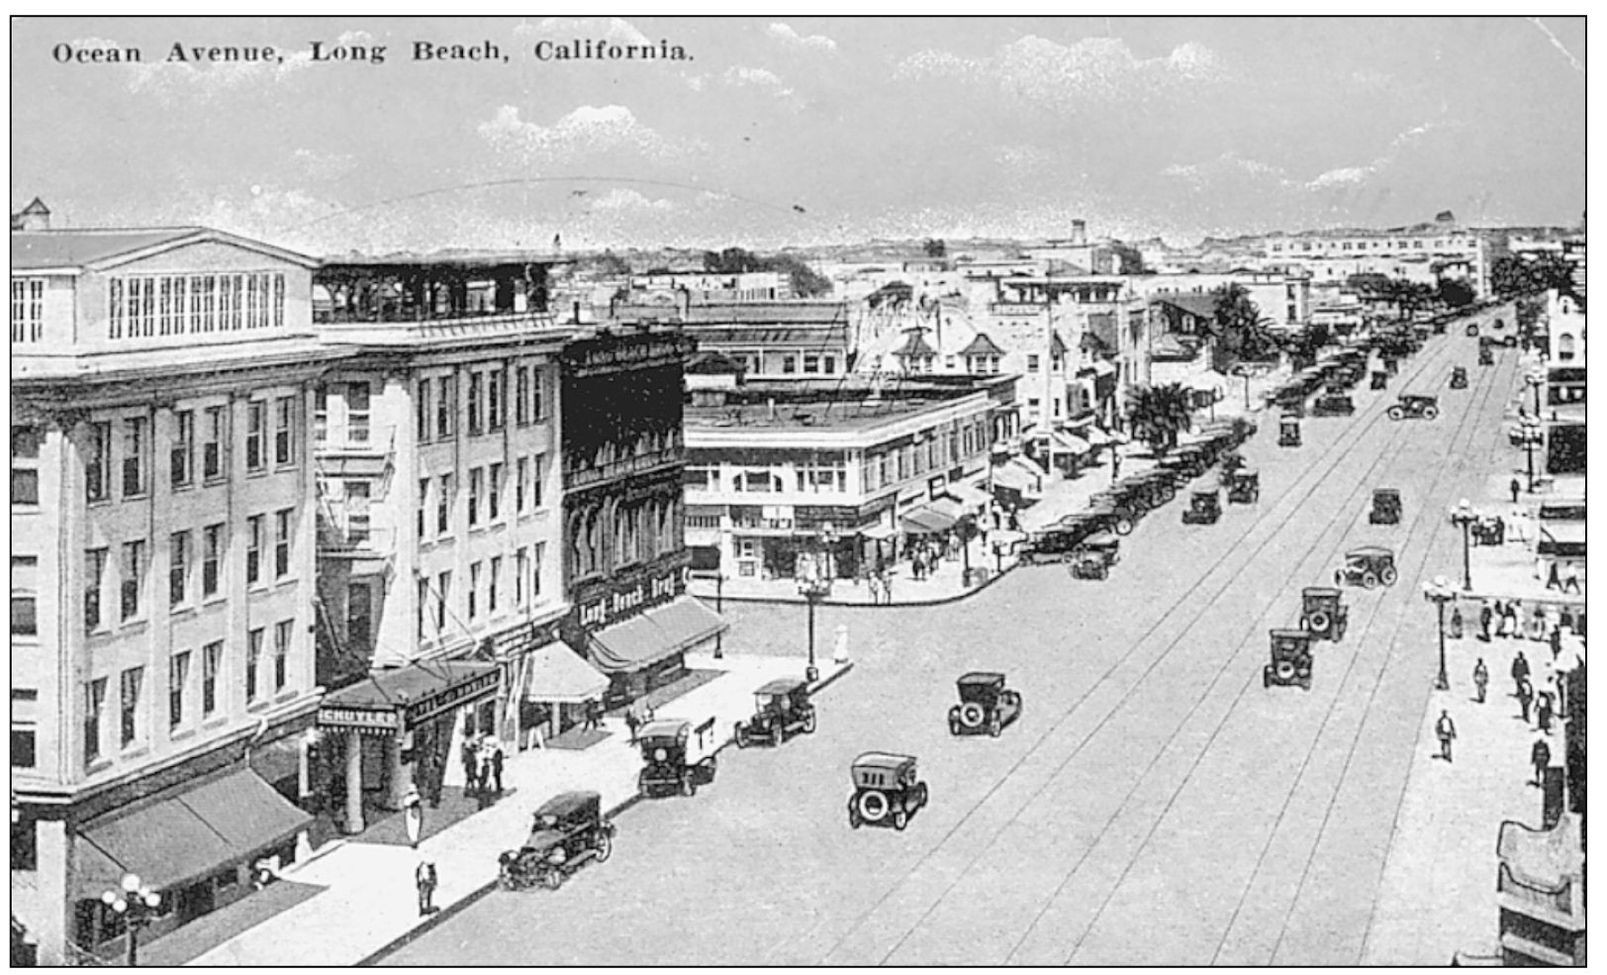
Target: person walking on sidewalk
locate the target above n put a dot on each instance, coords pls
(1543, 711)
(887, 589)
(1486, 614)
(413, 815)
(425, 878)
(1500, 618)
(875, 584)
(496, 765)
(1555, 638)
(1570, 582)
(632, 722)
(1553, 578)
(1445, 731)
(1540, 758)
(471, 764)
(1514, 486)
(1520, 671)
(1525, 697)
(1511, 625)
(1481, 678)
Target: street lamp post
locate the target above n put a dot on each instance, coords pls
(719, 609)
(137, 904)
(1463, 516)
(1532, 437)
(1534, 382)
(814, 582)
(1439, 592)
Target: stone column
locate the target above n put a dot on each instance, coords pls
(354, 781)
(396, 774)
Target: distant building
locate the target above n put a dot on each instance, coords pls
(1564, 414)
(798, 339)
(1424, 253)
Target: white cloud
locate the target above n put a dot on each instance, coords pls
(814, 42)
(1344, 176)
(740, 76)
(623, 199)
(584, 28)
(588, 130)
(1092, 68)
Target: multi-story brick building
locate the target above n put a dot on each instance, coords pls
(162, 570)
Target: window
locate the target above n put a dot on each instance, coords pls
(474, 495)
(496, 410)
(474, 587)
(535, 570)
(475, 384)
(445, 403)
(178, 674)
(212, 537)
(253, 659)
(811, 365)
(538, 468)
(94, 704)
(22, 756)
(421, 411)
(211, 663)
(281, 543)
(253, 549)
(423, 601)
(357, 414)
(521, 565)
(493, 491)
(494, 573)
(98, 461)
(284, 443)
(256, 420)
(521, 396)
(538, 406)
(24, 595)
(130, 685)
(281, 654)
(212, 447)
(1032, 363)
(830, 365)
(134, 456)
(357, 521)
(28, 310)
(181, 459)
(423, 503)
(24, 465)
(133, 567)
(443, 504)
(443, 589)
(789, 364)
(94, 573)
(178, 568)
(320, 414)
(521, 482)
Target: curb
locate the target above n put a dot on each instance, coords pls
(467, 900)
(940, 601)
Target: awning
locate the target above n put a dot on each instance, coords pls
(1065, 443)
(190, 834)
(1562, 539)
(1098, 437)
(967, 495)
(406, 696)
(878, 533)
(927, 520)
(558, 674)
(656, 634)
(1012, 478)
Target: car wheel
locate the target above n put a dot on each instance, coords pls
(971, 714)
(1369, 581)
(921, 795)
(995, 726)
(810, 722)
(901, 818)
(954, 725)
(742, 735)
(1339, 578)
(641, 786)
(605, 847)
(1319, 622)
(873, 806)
(1266, 678)
(1124, 525)
(1388, 575)
(855, 821)
(552, 878)
(1395, 413)
(1286, 670)
(1305, 622)
(1431, 412)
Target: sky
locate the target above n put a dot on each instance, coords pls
(801, 131)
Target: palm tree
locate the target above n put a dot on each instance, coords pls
(1237, 328)
(1157, 414)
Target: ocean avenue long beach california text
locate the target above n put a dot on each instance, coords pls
(324, 52)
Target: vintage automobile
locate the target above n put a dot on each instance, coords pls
(1290, 399)
(1114, 511)
(1333, 404)
(677, 757)
(1439, 323)
(1367, 567)
(1291, 659)
(1244, 486)
(1472, 328)
(1386, 508)
(1459, 377)
(1095, 556)
(1150, 489)
(1414, 405)
(1486, 357)
(1057, 543)
(1288, 431)
(1205, 508)
(986, 705)
(1392, 365)
(886, 791)
(781, 708)
(569, 830)
(1380, 379)
(1323, 613)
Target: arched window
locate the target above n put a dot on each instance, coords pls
(1565, 347)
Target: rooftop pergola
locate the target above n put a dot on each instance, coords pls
(413, 288)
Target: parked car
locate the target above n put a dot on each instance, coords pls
(1113, 511)
(986, 705)
(781, 708)
(1288, 431)
(1414, 405)
(1057, 543)
(1486, 357)
(1244, 486)
(1367, 567)
(1332, 404)
(569, 830)
(1323, 613)
(1095, 556)
(677, 757)
(1291, 660)
(1459, 377)
(1386, 508)
(1205, 508)
(887, 791)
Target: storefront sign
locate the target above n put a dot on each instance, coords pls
(354, 718)
(452, 697)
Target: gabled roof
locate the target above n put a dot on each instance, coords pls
(100, 249)
(916, 346)
(982, 345)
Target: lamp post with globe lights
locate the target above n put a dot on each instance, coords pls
(1531, 436)
(1464, 515)
(1534, 380)
(1439, 592)
(137, 905)
(814, 583)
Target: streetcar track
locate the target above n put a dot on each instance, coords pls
(1317, 473)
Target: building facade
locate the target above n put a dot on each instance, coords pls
(163, 570)
(1424, 253)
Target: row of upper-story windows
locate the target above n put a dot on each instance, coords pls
(27, 310)
(191, 304)
(484, 597)
(1395, 243)
(271, 439)
(487, 488)
(435, 402)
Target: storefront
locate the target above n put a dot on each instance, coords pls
(647, 651)
(555, 682)
(395, 729)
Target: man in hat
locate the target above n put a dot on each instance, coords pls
(1486, 614)
(424, 876)
(1540, 758)
(1481, 678)
(1520, 671)
(1445, 731)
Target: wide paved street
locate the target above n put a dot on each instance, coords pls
(1155, 805)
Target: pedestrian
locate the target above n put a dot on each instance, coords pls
(1553, 578)
(1540, 758)
(1520, 671)
(426, 879)
(413, 815)
(470, 763)
(1525, 697)
(1445, 730)
(1015, 520)
(496, 765)
(1500, 618)
(1486, 613)
(1511, 625)
(887, 589)
(1513, 487)
(595, 714)
(1543, 712)
(632, 722)
(1481, 679)
(1457, 627)
(1570, 582)
(1500, 530)
(839, 653)
(1556, 643)
(1518, 525)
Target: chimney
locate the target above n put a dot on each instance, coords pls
(1079, 232)
(34, 216)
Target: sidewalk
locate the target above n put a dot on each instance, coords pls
(370, 902)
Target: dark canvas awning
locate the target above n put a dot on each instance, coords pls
(1564, 539)
(656, 634)
(388, 700)
(187, 835)
(928, 519)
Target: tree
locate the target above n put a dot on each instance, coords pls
(1512, 276)
(1157, 414)
(935, 247)
(612, 264)
(805, 282)
(732, 260)
(1456, 292)
(1237, 328)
